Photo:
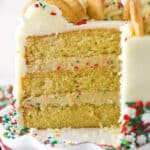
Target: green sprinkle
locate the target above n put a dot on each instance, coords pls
(5, 135)
(49, 137)
(14, 100)
(40, 4)
(130, 103)
(105, 19)
(8, 128)
(139, 128)
(143, 111)
(29, 100)
(148, 108)
(38, 104)
(15, 113)
(148, 3)
(44, 5)
(25, 129)
(77, 61)
(78, 96)
(111, 62)
(54, 142)
(126, 144)
(6, 119)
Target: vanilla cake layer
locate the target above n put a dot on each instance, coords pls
(75, 116)
(83, 43)
(87, 79)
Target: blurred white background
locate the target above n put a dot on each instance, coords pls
(10, 10)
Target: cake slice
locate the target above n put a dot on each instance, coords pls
(69, 68)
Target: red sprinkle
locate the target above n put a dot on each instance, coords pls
(138, 112)
(30, 105)
(10, 113)
(148, 104)
(35, 134)
(96, 65)
(0, 119)
(139, 104)
(82, 22)
(59, 67)
(46, 141)
(120, 5)
(14, 131)
(14, 122)
(107, 62)
(145, 126)
(36, 5)
(127, 118)
(53, 13)
(9, 89)
(87, 63)
(124, 129)
(13, 104)
(76, 68)
(79, 92)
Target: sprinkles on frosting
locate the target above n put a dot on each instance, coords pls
(6, 95)
(135, 130)
(39, 3)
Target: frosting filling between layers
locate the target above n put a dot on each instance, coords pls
(74, 63)
(69, 99)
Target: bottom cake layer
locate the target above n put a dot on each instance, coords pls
(75, 116)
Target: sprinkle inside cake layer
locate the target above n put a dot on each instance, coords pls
(91, 80)
(72, 63)
(86, 115)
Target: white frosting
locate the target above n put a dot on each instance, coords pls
(141, 139)
(136, 69)
(146, 118)
(130, 138)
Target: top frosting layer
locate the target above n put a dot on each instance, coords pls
(111, 10)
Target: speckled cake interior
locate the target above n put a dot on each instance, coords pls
(72, 80)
